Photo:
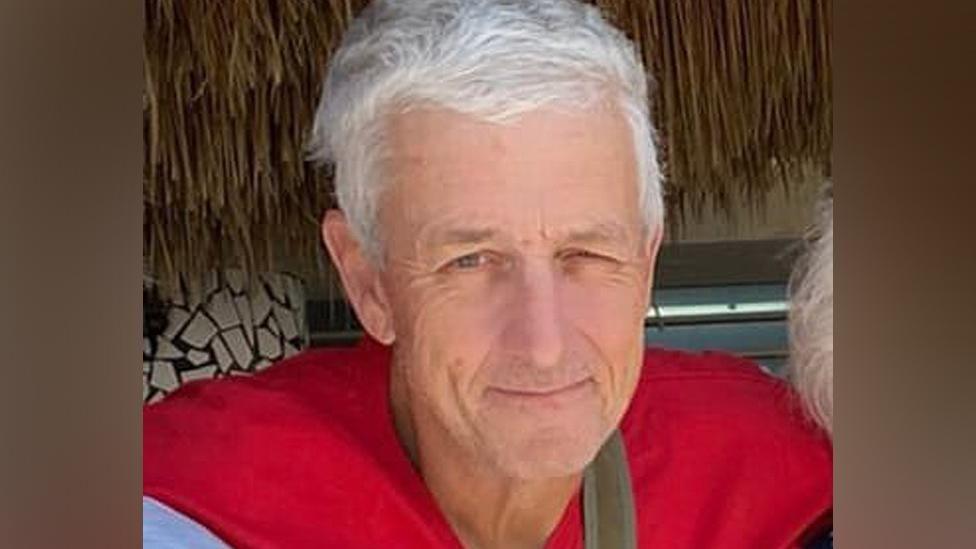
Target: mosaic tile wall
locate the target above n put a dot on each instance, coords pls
(228, 332)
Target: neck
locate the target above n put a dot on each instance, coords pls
(485, 507)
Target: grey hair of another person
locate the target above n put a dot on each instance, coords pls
(811, 367)
(493, 59)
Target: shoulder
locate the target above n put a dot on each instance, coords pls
(324, 399)
(719, 402)
(714, 387)
(676, 364)
(271, 440)
(710, 430)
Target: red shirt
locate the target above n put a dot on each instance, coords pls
(304, 454)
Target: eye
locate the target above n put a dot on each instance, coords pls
(586, 255)
(583, 260)
(470, 262)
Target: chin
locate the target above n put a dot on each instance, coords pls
(550, 453)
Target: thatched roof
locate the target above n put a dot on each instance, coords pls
(742, 101)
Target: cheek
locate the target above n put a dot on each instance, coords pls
(611, 318)
(448, 330)
(611, 312)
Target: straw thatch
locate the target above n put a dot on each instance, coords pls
(742, 101)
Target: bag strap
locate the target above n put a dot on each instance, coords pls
(608, 499)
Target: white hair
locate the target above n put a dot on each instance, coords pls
(812, 318)
(494, 59)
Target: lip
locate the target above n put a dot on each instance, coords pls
(544, 396)
(529, 393)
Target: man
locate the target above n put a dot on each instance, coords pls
(500, 215)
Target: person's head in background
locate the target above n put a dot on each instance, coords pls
(500, 214)
(812, 317)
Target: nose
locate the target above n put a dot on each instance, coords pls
(537, 329)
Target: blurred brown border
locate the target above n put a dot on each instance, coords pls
(70, 274)
(905, 257)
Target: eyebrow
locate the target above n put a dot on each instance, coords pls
(461, 236)
(598, 232)
(601, 232)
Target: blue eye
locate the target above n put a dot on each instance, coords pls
(470, 261)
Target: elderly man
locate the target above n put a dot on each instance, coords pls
(500, 215)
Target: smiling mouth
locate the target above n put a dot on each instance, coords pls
(543, 392)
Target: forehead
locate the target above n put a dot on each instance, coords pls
(548, 172)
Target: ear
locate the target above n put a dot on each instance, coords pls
(654, 244)
(360, 278)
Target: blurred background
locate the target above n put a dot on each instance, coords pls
(234, 275)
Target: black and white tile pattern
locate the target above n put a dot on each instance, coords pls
(227, 332)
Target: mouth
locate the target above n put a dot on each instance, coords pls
(545, 393)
